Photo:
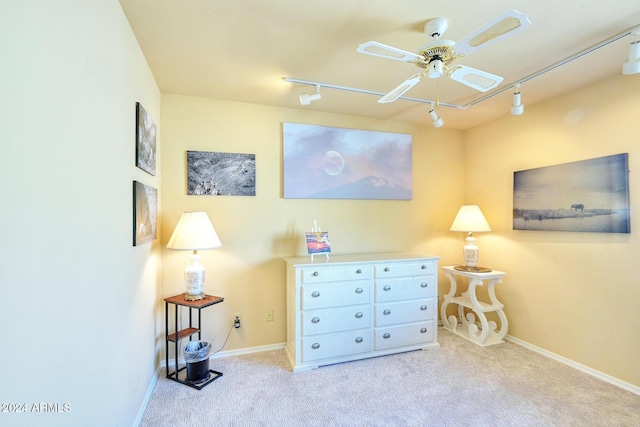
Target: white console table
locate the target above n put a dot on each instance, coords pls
(467, 325)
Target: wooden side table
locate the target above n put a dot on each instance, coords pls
(178, 300)
(488, 333)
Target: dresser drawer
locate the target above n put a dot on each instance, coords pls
(408, 288)
(405, 269)
(336, 319)
(335, 294)
(322, 273)
(391, 313)
(336, 345)
(403, 335)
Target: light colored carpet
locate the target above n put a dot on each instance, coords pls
(459, 384)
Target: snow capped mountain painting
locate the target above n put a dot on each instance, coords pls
(334, 163)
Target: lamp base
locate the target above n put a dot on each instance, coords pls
(194, 279)
(194, 297)
(472, 269)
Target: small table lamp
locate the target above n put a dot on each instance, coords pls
(194, 232)
(470, 219)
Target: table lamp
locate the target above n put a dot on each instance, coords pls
(470, 219)
(194, 232)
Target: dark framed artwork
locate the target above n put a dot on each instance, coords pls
(145, 141)
(145, 211)
(586, 196)
(333, 163)
(221, 174)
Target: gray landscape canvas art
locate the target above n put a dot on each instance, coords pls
(585, 196)
(145, 213)
(333, 163)
(145, 141)
(221, 174)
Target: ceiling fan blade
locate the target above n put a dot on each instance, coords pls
(401, 89)
(504, 25)
(389, 52)
(476, 79)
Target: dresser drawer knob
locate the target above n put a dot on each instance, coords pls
(423, 330)
(386, 269)
(315, 345)
(359, 290)
(386, 312)
(315, 320)
(359, 315)
(315, 273)
(387, 288)
(359, 339)
(358, 271)
(423, 285)
(423, 307)
(386, 335)
(424, 267)
(315, 294)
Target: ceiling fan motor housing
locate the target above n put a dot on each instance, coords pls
(438, 49)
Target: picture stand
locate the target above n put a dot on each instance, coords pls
(318, 242)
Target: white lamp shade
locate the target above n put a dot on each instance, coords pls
(194, 232)
(470, 219)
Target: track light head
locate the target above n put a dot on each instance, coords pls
(632, 65)
(436, 121)
(517, 108)
(307, 98)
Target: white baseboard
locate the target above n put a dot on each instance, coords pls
(587, 370)
(248, 350)
(147, 396)
(228, 353)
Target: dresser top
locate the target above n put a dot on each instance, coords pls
(320, 259)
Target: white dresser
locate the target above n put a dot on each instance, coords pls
(359, 306)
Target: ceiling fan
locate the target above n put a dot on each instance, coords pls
(437, 56)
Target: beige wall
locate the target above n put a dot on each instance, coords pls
(573, 294)
(257, 232)
(78, 301)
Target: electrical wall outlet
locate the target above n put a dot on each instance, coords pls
(236, 320)
(270, 315)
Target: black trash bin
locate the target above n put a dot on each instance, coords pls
(196, 355)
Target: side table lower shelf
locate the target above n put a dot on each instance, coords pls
(178, 300)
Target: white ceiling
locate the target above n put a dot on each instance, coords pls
(240, 49)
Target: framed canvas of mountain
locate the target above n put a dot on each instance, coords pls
(334, 163)
(588, 195)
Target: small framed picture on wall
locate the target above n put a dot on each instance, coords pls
(145, 141)
(145, 210)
